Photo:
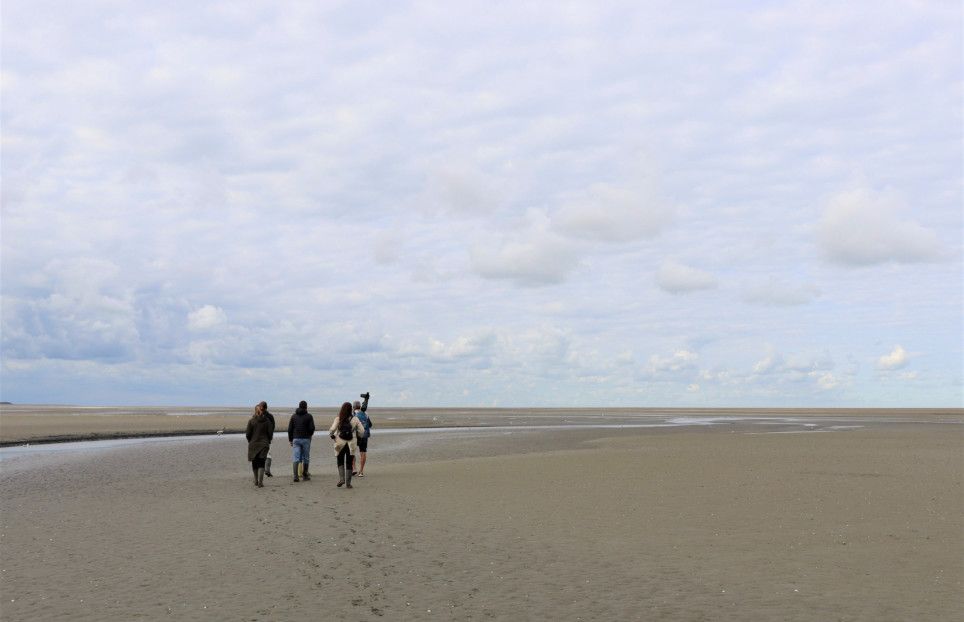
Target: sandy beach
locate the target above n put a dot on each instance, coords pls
(735, 521)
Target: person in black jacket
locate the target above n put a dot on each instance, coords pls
(301, 427)
(269, 417)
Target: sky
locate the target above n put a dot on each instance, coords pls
(513, 204)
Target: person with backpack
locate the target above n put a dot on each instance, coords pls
(301, 427)
(361, 411)
(345, 430)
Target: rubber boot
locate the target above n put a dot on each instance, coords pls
(304, 475)
(267, 466)
(260, 478)
(294, 470)
(341, 475)
(348, 478)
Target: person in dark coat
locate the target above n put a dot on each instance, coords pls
(259, 432)
(267, 461)
(301, 427)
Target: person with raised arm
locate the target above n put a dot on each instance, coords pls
(361, 411)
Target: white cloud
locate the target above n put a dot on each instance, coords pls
(774, 292)
(825, 380)
(329, 213)
(776, 370)
(206, 318)
(543, 259)
(678, 278)
(860, 227)
(680, 361)
(606, 213)
(721, 376)
(807, 362)
(624, 357)
(461, 190)
(468, 346)
(772, 362)
(92, 326)
(387, 248)
(487, 345)
(896, 359)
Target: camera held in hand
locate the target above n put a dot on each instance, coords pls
(365, 395)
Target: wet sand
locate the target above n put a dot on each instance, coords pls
(32, 424)
(729, 522)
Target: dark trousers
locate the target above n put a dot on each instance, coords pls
(257, 463)
(342, 456)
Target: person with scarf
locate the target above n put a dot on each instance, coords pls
(345, 430)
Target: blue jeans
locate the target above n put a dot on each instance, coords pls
(301, 450)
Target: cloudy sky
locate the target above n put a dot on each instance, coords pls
(494, 204)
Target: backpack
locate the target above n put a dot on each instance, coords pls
(345, 429)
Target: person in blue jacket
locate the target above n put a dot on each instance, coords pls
(361, 411)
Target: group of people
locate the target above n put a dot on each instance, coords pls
(350, 431)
